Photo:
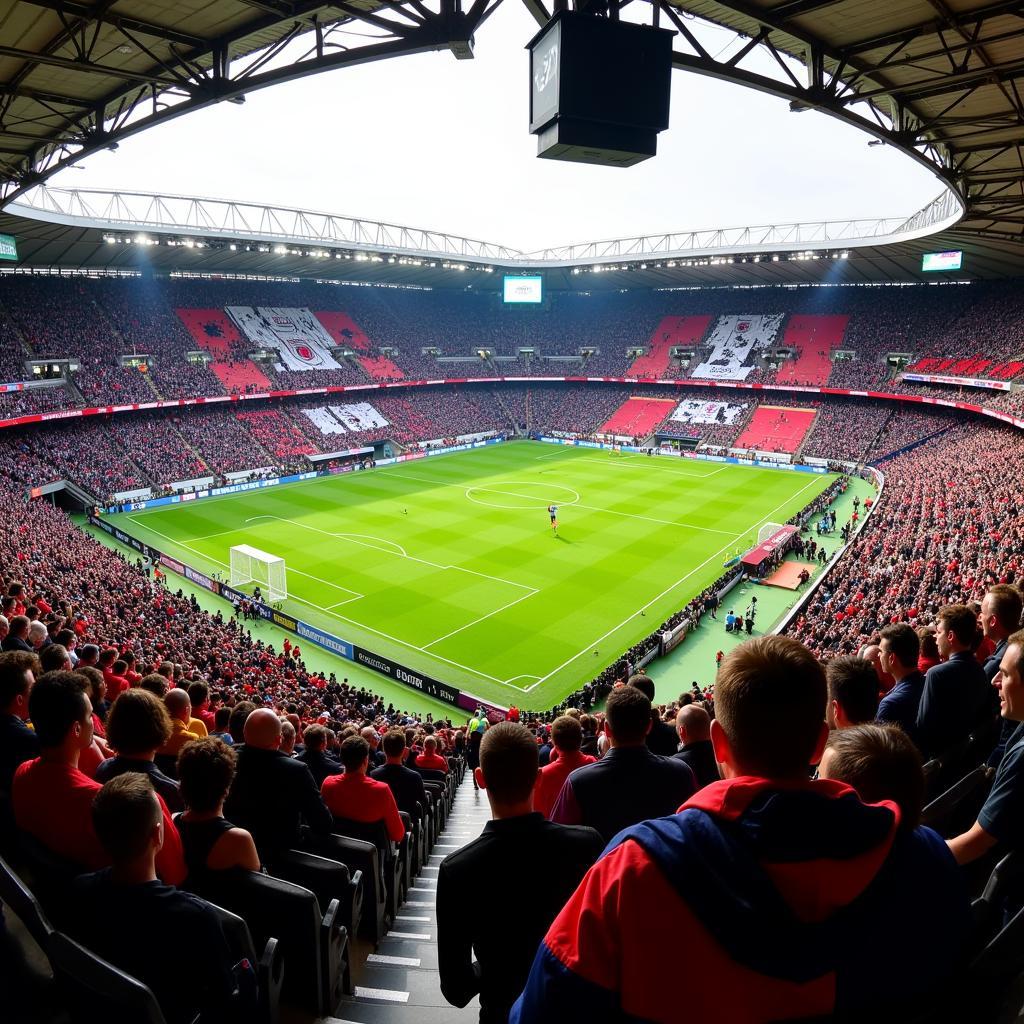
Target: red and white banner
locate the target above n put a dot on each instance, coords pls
(297, 335)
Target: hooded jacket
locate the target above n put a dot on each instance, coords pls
(779, 898)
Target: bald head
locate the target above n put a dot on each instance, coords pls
(263, 730)
(693, 724)
(370, 735)
(178, 705)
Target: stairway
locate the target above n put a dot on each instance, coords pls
(398, 982)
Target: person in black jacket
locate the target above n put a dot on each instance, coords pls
(662, 738)
(957, 694)
(315, 757)
(273, 795)
(17, 636)
(693, 725)
(518, 847)
(629, 784)
(406, 785)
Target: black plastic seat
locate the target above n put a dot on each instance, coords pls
(96, 990)
(20, 899)
(393, 857)
(957, 809)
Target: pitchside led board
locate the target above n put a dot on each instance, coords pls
(939, 261)
(599, 89)
(8, 248)
(528, 290)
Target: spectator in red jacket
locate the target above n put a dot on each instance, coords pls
(53, 799)
(354, 795)
(567, 736)
(430, 759)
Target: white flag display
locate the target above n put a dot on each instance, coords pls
(732, 340)
(694, 411)
(297, 335)
(340, 419)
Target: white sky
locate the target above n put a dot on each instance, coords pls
(429, 141)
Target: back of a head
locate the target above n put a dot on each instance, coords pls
(315, 737)
(644, 683)
(695, 721)
(566, 734)
(430, 745)
(902, 643)
(57, 701)
(138, 722)
(394, 743)
(177, 703)
(929, 647)
(770, 698)
(508, 762)
(54, 657)
(221, 718)
(197, 693)
(853, 685)
(155, 684)
(124, 814)
(881, 763)
(206, 769)
(239, 715)
(354, 752)
(263, 730)
(628, 714)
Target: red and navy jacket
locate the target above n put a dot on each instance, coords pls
(782, 901)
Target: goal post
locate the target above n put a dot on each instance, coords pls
(250, 565)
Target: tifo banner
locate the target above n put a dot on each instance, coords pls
(295, 333)
(340, 419)
(732, 340)
(964, 382)
(695, 411)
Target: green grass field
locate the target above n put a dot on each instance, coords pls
(449, 566)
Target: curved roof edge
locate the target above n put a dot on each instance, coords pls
(156, 214)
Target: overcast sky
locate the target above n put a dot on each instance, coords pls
(429, 141)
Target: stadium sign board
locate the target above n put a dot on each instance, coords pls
(8, 248)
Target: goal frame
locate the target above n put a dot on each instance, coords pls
(767, 530)
(251, 565)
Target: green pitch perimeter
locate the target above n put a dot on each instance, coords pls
(449, 565)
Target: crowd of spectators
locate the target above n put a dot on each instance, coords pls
(950, 524)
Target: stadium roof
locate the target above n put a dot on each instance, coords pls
(938, 79)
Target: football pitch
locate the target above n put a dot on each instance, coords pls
(449, 566)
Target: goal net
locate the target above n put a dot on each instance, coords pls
(250, 565)
(767, 530)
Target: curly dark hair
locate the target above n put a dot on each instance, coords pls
(206, 769)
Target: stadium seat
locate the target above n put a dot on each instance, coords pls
(20, 899)
(364, 861)
(394, 857)
(314, 946)
(957, 809)
(329, 879)
(48, 875)
(96, 990)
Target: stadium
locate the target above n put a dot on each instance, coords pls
(359, 579)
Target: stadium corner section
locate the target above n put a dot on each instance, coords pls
(429, 688)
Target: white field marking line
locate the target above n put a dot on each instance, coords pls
(412, 558)
(577, 504)
(476, 622)
(659, 465)
(525, 675)
(668, 590)
(352, 622)
(651, 519)
(356, 596)
(560, 451)
(528, 497)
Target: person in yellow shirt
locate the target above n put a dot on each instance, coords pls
(179, 707)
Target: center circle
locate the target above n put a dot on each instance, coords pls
(516, 495)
